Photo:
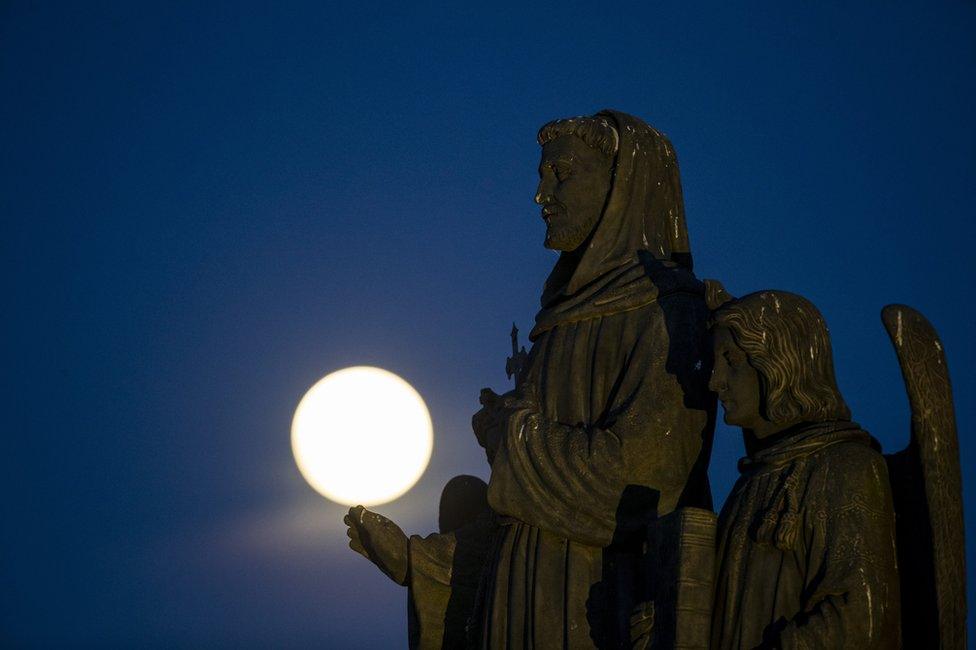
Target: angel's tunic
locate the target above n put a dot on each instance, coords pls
(806, 550)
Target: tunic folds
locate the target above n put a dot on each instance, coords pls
(806, 551)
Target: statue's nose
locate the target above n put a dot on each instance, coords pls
(716, 383)
(542, 194)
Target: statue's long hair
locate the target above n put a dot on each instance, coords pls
(786, 340)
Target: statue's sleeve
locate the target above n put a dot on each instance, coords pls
(559, 478)
(852, 578)
(445, 571)
(431, 558)
(429, 584)
(589, 483)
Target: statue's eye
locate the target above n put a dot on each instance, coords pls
(563, 172)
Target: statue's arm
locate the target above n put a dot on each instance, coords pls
(583, 483)
(853, 583)
(558, 478)
(407, 559)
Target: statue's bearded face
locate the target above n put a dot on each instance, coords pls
(736, 383)
(574, 180)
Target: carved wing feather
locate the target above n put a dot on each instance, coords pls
(927, 489)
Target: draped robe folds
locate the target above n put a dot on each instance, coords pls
(614, 445)
(443, 576)
(429, 591)
(806, 552)
(622, 423)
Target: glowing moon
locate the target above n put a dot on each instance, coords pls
(362, 436)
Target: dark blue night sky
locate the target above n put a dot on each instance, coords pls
(208, 207)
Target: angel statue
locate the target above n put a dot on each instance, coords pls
(824, 541)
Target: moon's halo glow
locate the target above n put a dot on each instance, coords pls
(362, 436)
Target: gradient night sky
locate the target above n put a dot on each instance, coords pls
(208, 208)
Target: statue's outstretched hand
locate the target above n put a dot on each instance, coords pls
(379, 540)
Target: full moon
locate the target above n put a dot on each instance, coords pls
(362, 436)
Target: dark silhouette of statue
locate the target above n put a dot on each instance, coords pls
(807, 539)
(596, 529)
(441, 595)
(611, 421)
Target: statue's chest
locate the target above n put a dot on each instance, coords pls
(575, 366)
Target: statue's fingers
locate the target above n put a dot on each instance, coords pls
(355, 545)
(369, 519)
(354, 526)
(355, 518)
(356, 541)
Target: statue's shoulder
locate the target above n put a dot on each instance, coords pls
(851, 453)
(850, 465)
(670, 278)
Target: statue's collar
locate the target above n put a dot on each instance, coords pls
(801, 440)
(639, 282)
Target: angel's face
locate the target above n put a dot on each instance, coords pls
(736, 383)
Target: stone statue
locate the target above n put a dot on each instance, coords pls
(807, 539)
(596, 529)
(441, 595)
(611, 422)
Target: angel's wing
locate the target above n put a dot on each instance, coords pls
(927, 488)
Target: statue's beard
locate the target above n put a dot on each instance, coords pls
(563, 234)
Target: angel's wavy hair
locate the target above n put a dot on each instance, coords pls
(786, 340)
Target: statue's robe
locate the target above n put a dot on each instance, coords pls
(806, 546)
(443, 577)
(622, 428)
